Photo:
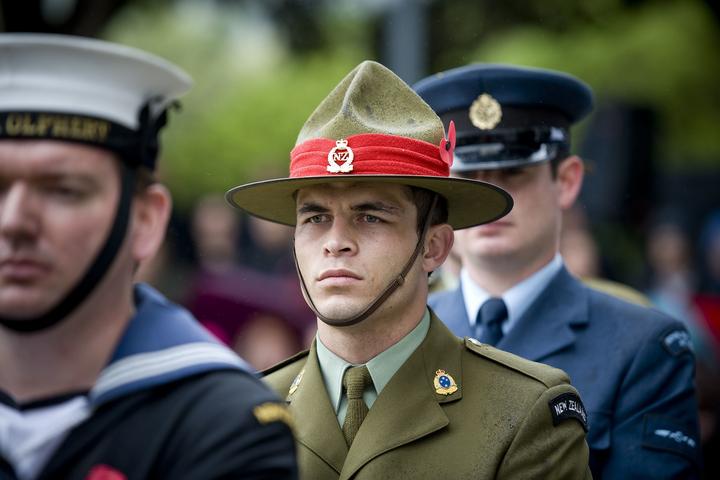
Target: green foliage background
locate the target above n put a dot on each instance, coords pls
(252, 92)
(665, 55)
(248, 102)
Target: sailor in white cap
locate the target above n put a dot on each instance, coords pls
(100, 378)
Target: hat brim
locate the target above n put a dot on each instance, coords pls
(470, 202)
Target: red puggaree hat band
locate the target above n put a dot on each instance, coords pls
(373, 154)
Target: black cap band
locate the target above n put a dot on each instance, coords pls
(135, 148)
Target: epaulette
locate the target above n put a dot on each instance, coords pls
(618, 290)
(284, 363)
(547, 375)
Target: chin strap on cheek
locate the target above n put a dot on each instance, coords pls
(380, 299)
(93, 276)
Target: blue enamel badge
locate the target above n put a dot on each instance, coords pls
(444, 383)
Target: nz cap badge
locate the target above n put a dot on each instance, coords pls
(485, 112)
(340, 153)
(444, 383)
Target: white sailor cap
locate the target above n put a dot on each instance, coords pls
(84, 90)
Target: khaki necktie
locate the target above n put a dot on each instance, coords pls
(355, 380)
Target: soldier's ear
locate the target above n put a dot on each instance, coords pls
(570, 173)
(151, 213)
(438, 243)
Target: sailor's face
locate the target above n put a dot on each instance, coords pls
(351, 240)
(57, 202)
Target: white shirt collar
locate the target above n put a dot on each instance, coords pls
(517, 299)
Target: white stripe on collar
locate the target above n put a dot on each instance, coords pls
(152, 365)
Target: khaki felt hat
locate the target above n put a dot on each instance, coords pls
(373, 128)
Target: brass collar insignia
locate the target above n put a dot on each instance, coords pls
(296, 382)
(444, 383)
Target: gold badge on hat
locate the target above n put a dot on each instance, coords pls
(296, 382)
(444, 383)
(485, 112)
(340, 153)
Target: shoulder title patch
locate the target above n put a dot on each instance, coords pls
(676, 342)
(273, 412)
(568, 405)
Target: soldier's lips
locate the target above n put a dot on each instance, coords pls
(338, 277)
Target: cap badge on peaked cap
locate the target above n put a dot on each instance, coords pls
(340, 153)
(485, 112)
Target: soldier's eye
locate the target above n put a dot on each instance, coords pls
(321, 218)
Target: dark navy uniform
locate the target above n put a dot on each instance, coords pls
(173, 403)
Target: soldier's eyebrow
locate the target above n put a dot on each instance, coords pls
(377, 207)
(310, 207)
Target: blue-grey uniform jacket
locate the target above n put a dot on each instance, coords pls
(632, 366)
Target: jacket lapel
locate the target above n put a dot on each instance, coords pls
(408, 408)
(317, 427)
(549, 325)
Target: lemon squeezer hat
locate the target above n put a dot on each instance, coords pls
(373, 128)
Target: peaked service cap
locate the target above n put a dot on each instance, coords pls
(507, 115)
(77, 89)
(373, 128)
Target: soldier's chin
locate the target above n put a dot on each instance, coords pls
(338, 315)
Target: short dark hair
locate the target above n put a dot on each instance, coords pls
(423, 199)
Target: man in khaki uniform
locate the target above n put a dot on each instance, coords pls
(386, 390)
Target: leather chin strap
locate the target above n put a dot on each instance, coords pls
(380, 299)
(102, 263)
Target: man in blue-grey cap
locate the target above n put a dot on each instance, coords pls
(101, 379)
(632, 365)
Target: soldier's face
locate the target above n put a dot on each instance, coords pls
(529, 230)
(351, 240)
(57, 202)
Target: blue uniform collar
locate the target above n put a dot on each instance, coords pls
(163, 343)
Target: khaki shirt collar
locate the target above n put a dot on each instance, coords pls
(382, 367)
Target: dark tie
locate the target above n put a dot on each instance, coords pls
(355, 380)
(490, 318)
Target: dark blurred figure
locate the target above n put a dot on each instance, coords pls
(248, 297)
(707, 301)
(673, 288)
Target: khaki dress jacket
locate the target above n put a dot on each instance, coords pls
(499, 423)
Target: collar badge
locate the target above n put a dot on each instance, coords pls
(485, 112)
(340, 153)
(444, 383)
(296, 383)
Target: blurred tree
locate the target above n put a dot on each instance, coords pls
(252, 91)
(662, 54)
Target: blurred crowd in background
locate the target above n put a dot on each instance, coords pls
(649, 214)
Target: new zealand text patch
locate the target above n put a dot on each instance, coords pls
(566, 406)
